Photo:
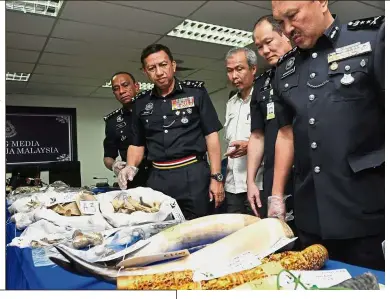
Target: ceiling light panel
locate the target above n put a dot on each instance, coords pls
(142, 85)
(21, 77)
(210, 33)
(47, 8)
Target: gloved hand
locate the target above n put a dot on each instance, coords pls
(127, 173)
(277, 207)
(118, 166)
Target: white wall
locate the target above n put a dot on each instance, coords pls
(90, 129)
(219, 100)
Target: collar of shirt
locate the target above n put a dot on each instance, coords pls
(178, 88)
(330, 36)
(238, 97)
(125, 111)
(333, 32)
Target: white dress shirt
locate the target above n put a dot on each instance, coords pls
(238, 127)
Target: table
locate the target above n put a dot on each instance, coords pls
(22, 275)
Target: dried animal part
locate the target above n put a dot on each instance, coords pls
(83, 240)
(127, 205)
(199, 231)
(68, 209)
(182, 280)
(311, 258)
(366, 281)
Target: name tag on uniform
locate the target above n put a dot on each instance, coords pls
(183, 103)
(270, 111)
(146, 112)
(349, 51)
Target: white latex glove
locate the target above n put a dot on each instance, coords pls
(127, 173)
(117, 166)
(277, 207)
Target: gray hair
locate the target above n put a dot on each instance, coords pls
(250, 55)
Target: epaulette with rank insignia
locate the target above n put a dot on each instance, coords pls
(112, 114)
(140, 95)
(288, 54)
(266, 73)
(368, 23)
(192, 83)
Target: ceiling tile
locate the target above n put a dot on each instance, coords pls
(212, 13)
(39, 78)
(68, 71)
(24, 41)
(192, 61)
(12, 86)
(347, 12)
(262, 4)
(194, 48)
(379, 4)
(22, 55)
(19, 67)
(176, 8)
(207, 74)
(28, 23)
(103, 92)
(57, 88)
(218, 65)
(108, 14)
(57, 45)
(99, 35)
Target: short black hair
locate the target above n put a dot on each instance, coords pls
(154, 48)
(270, 19)
(121, 73)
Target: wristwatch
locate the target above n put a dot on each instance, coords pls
(217, 176)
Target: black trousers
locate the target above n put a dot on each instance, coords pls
(189, 185)
(365, 252)
(237, 203)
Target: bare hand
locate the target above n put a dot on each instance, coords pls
(253, 195)
(241, 149)
(216, 192)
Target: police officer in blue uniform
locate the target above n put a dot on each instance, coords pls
(271, 44)
(332, 88)
(178, 124)
(118, 127)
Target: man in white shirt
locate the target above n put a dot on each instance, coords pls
(241, 65)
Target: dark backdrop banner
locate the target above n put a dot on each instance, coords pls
(38, 136)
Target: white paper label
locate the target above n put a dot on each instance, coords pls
(148, 259)
(176, 212)
(89, 207)
(244, 261)
(54, 198)
(124, 252)
(320, 279)
(283, 241)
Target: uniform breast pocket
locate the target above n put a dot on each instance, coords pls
(349, 78)
(150, 124)
(289, 85)
(185, 117)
